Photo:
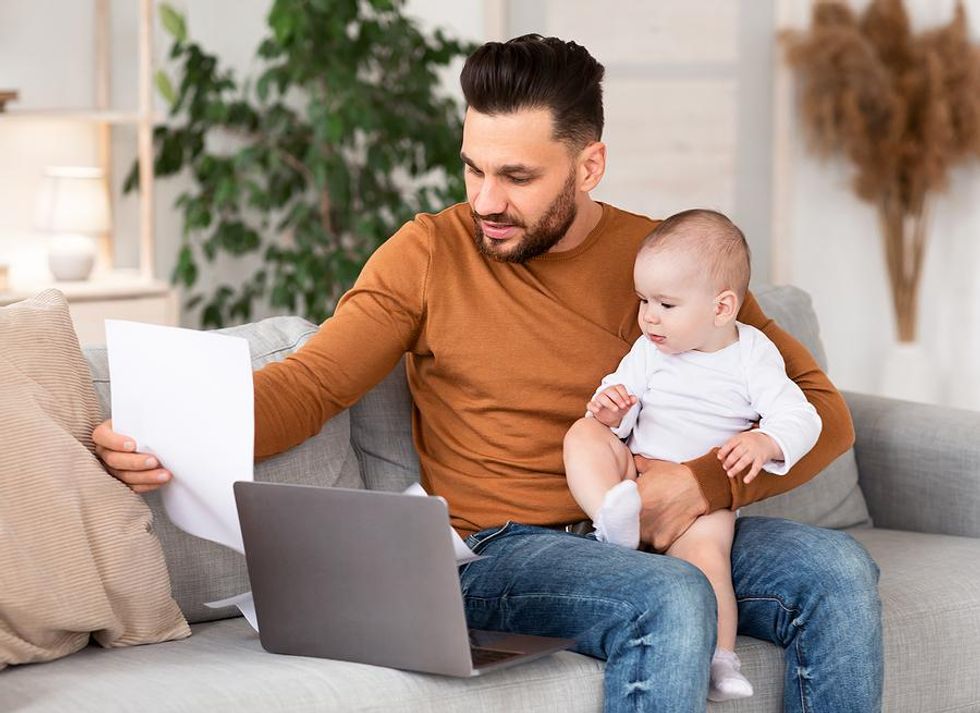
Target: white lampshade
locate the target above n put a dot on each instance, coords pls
(73, 205)
(73, 200)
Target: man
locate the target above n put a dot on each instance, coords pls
(510, 309)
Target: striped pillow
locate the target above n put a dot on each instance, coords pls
(77, 553)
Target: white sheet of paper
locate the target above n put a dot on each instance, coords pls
(186, 397)
(245, 604)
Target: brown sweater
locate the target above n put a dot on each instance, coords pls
(502, 359)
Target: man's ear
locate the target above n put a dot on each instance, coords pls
(591, 166)
(726, 307)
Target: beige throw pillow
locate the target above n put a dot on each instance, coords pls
(77, 554)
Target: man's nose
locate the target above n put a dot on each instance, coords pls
(490, 200)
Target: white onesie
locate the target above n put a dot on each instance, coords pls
(692, 402)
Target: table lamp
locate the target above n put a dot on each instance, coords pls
(74, 207)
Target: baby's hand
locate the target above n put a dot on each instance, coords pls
(750, 449)
(611, 404)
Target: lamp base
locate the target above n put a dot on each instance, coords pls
(71, 257)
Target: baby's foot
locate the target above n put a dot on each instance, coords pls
(727, 681)
(618, 521)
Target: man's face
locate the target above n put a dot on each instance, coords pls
(521, 183)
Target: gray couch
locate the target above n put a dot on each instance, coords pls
(914, 472)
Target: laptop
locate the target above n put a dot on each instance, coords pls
(365, 576)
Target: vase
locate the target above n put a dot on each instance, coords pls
(909, 373)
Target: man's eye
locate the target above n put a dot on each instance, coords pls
(473, 171)
(519, 181)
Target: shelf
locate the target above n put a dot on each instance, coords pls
(92, 115)
(117, 284)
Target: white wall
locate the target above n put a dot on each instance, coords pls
(689, 122)
(687, 103)
(833, 250)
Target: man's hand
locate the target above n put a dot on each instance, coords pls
(672, 501)
(140, 471)
(751, 450)
(611, 404)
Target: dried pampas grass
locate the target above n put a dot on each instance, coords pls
(903, 107)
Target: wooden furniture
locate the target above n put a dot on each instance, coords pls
(110, 293)
(105, 118)
(7, 97)
(117, 295)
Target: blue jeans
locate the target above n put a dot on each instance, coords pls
(653, 618)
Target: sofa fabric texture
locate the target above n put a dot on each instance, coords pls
(77, 557)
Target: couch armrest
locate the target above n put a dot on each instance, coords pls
(918, 465)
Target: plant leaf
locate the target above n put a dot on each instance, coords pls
(165, 87)
(173, 22)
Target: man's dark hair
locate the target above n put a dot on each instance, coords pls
(535, 72)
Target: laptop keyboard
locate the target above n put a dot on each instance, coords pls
(485, 657)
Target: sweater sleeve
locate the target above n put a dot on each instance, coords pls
(836, 437)
(785, 414)
(375, 323)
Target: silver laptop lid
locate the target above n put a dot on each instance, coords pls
(355, 575)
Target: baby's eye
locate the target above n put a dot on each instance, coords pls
(642, 301)
(667, 306)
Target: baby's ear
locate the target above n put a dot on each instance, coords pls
(726, 307)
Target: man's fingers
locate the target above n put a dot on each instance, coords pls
(126, 461)
(137, 478)
(104, 436)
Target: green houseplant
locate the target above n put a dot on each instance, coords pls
(341, 138)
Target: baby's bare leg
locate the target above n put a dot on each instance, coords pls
(708, 545)
(602, 477)
(595, 462)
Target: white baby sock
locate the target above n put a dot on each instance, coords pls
(618, 521)
(727, 681)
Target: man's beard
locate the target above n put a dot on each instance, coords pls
(541, 237)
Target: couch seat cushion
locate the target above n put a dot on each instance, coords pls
(223, 669)
(930, 592)
(930, 587)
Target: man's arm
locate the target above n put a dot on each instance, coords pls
(837, 435)
(377, 321)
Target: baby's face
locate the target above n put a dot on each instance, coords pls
(677, 305)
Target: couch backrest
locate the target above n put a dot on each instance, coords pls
(833, 498)
(371, 445)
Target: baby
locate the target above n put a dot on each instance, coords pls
(695, 380)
